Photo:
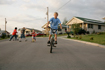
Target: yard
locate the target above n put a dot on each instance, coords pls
(100, 39)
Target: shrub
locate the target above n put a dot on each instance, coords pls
(3, 36)
(68, 36)
(8, 36)
(87, 32)
(76, 37)
(91, 38)
(80, 37)
(81, 31)
(98, 33)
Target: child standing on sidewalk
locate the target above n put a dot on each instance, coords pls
(33, 36)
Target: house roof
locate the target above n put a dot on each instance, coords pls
(3, 31)
(31, 29)
(86, 20)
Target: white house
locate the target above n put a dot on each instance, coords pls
(87, 24)
(3, 32)
(29, 30)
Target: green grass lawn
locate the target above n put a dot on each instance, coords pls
(100, 39)
(4, 38)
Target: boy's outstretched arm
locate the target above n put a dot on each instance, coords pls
(48, 23)
(60, 26)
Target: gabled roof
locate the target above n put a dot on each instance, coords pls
(3, 31)
(86, 20)
(31, 29)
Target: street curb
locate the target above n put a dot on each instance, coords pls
(4, 40)
(94, 44)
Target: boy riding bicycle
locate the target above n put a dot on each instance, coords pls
(54, 22)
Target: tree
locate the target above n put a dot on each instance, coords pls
(76, 28)
(64, 21)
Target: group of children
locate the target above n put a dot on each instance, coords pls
(14, 34)
(54, 23)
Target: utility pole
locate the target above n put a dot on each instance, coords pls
(47, 14)
(5, 24)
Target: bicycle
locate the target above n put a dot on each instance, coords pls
(52, 40)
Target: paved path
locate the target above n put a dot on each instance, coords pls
(68, 55)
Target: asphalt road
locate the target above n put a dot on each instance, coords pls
(68, 55)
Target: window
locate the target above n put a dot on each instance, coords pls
(27, 31)
(99, 26)
(90, 26)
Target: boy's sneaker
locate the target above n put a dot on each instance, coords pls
(48, 42)
(55, 42)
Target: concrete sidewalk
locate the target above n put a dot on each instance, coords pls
(94, 44)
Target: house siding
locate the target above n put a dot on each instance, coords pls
(63, 31)
(95, 28)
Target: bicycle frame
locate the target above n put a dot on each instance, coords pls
(52, 40)
(53, 36)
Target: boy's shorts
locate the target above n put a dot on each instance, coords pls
(22, 36)
(34, 37)
(52, 32)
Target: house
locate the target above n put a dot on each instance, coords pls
(46, 31)
(29, 30)
(89, 25)
(3, 32)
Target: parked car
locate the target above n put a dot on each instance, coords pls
(29, 35)
(40, 34)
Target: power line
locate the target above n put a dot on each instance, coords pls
(63, 5)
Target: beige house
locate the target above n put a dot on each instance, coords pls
(46, 30)
(29, 30)
(87, 24)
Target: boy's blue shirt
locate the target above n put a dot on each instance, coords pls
(54, 23)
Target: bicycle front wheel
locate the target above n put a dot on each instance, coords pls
(52, 43)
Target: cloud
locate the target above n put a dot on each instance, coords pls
(6, 2)
(22, 21)
(83, 8)
(26, 0)
(42, 5)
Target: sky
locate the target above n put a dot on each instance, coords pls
(32, 13)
